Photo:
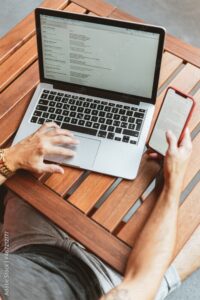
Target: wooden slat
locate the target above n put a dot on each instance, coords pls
(24, 30)
(124, 196)
(11, 121)
(122, 15)
(175, 46)
(17, 63)
(131, 230)
(98, 7)
(112, 211)
(89, 192)
(62, 183)
(92, 14)
(189, 218)
(195, 120)
(71, 220)
(18, 89)
(75, 8)
(170, 63)
(194, 165)
(178, 47)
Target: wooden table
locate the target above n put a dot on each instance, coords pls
(93, 207)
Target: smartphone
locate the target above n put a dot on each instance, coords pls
(174, 114)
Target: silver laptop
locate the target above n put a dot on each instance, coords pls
(99, 79)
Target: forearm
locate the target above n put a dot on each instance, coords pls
(153, 251)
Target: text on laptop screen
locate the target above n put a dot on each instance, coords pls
(100, 56)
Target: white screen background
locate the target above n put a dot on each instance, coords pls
(101, 56)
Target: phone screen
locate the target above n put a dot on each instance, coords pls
(173, 116)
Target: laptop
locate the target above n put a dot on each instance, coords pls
(98, 79)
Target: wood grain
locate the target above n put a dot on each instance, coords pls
(124, 196)
(189, 218)
(62, 183)
(71, 220)
(72, 7)
(24, 30)
(131, 230)
(90, 191)
(110, 213)
(11, 121)
(195, 120)
(98, 7)
(170, 64)
(18, 89)
(17, 63)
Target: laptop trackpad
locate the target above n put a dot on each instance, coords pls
(86, 152)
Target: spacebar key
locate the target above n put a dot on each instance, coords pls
(79, 129)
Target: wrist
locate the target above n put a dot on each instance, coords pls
(11, 160)
(173, 189)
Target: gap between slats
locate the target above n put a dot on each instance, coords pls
(131, 230)
(98, 7)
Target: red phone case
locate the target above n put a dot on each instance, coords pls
(188, 118)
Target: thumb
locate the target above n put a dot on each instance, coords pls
(52, 168)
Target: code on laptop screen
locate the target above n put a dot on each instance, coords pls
(100, 56)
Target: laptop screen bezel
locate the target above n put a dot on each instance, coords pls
(105, 21)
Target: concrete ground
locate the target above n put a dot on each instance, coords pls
(180, 17)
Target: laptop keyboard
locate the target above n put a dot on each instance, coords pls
(95, 117)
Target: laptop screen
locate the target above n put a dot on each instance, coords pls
(98, 55)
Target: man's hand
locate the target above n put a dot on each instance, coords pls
(153, 251)
(176, 159)
(29, 153)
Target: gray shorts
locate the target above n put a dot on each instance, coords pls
(25, 225)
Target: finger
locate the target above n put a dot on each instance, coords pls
(186, 141)
(47, 125)
(59, 131)
(56, 150)
(155, 155)
(52, 168)
(64, 140)
(171, 140)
